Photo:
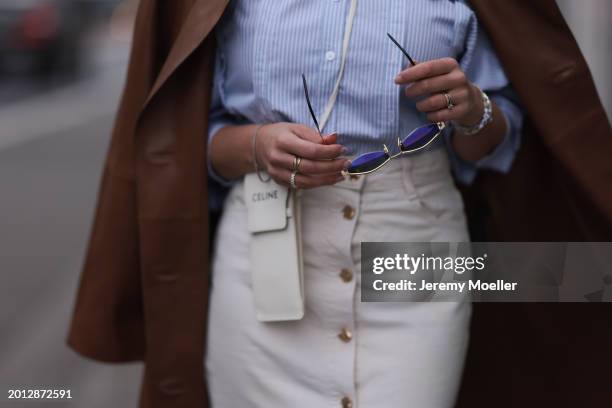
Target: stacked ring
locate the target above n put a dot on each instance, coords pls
(449, 101)
(296, 163)
(292, 179)
(295, 168)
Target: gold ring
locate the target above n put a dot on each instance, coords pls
(449, 101)
(296, 163)
(292, 180)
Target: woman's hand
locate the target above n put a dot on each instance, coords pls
(279, 143)
(432, 79)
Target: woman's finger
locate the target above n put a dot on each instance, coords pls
(330, 139)
(283, 177)
(306, 133)
(312, 167)
(309, 167)
(454, 79)
(426, 69)
(311, 135)
(445, 115)
(438, 101)
(308, 150)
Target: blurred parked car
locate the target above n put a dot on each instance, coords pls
(41, 36)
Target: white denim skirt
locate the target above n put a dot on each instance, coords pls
(344, 352)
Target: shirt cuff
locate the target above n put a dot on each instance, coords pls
(213, 128)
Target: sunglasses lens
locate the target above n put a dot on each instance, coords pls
(419, 137)
(368, 162)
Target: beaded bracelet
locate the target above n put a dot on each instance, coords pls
(487, 117)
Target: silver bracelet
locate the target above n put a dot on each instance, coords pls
(487, 117)
(254, 152)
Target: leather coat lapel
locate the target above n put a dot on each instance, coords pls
(200, 21)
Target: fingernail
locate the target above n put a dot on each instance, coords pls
(344, 150)
(398, 79)
(347, 164)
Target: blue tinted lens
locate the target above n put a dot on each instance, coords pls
(367, 162)
(419, 137)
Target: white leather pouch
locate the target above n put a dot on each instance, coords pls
(276, 250)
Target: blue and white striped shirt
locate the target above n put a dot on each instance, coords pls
(265, 45)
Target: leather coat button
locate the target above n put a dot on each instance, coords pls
(172, 386)
(164, 273)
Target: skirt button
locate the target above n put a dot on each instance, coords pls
(345, 335)
(348, 212)
(347, 402)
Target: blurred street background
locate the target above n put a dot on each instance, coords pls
(58, 95)
(62, 68)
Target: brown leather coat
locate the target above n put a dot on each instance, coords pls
(143, 290)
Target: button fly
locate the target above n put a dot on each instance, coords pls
(347, 402)
(348, 212)
(345, 335)
(346, 275)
